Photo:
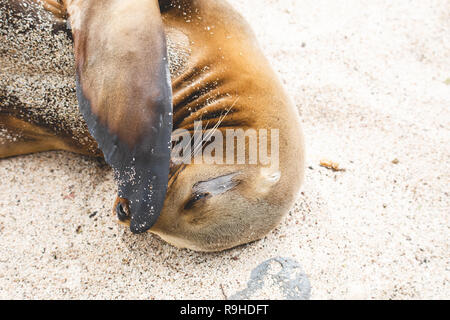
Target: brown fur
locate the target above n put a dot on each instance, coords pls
(113, 65)
(226, 66)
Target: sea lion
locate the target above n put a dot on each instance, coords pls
(145, 70)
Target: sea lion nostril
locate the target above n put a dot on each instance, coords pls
(122, 213)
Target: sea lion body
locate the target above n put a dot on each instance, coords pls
(219, 76)
(38, 103)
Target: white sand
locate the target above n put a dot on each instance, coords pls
(370, 85)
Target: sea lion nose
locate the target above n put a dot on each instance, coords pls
(122, 211)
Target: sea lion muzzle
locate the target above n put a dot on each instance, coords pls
(125, 95)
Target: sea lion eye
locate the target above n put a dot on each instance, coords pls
(195, 198)
(122, 212)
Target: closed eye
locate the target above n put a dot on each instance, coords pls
(196, 197)
(209, 188)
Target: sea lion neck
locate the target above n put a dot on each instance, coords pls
(206, 76)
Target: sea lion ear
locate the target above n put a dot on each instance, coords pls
(124, 94)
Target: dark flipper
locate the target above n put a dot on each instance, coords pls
(124, 93)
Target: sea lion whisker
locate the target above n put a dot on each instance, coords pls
(205, 140)
(201, 141)
(191, 155)
(196, 146)
(222, 118)
(214, 129)
(194, 152)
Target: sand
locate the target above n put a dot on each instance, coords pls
(371, 80)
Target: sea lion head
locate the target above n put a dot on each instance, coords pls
(212, 209)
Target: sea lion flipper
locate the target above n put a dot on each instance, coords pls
(53, 6)
(124, 93)
(19, 137)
